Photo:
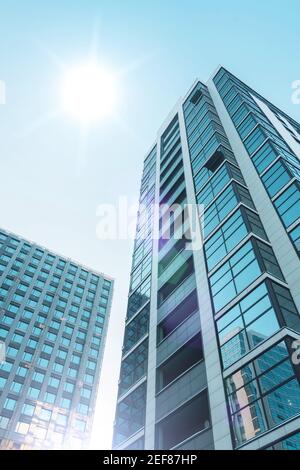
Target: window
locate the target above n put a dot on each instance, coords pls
(3, 381)
(47, 349)
(80, 425)
(139, 297)
(133, 367)
(38, 377)
(130, 416)
(4, 422)
(53, 382)
(45, 414)
(295, 236)
(17, 338)
(89, 379)
(28, 409)
(86, 393)
(62, 354)
(241, 270)
(232, 232)
(288, 204)
(22, 371)
(278, 176)
(72, 373)
(65, 403)
(22, 428)
(223, 205)
(83, 409)
(16, 387)
(246, 325)
(69, 387)
(10, 404)
(263, 394)
(33, 393)
(42, 362)
(218, 182)
(61, 419)
(50, 397)
(58, 367)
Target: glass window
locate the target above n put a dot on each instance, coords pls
(28, 409)
(4, 422)
(10, 404)
(246, 325)
(288, 204)
(69, 387)
(53, 382)
(130, 416)
(133, 367)
(225, 239)
(16, 387)
(234, 276)
(223, 205)
(241, 270)
(33, 393)
(264, 394)
(295, 236)
(278, 176)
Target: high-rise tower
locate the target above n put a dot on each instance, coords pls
(210, 347)
(53, 322)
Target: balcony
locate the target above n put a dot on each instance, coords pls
(181, 335)
(175, 265)
(181, 292)
(203, 440)
(184, 423)
(181, 390)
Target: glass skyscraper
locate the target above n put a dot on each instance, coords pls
(53, 322)
(210, 347)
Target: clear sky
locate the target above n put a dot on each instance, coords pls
(51, 184)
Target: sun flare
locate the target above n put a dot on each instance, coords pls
(89, 92)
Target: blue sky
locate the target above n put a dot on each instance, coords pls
(160, 47)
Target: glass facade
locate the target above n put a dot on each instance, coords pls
(130, 413)
(216, 331)
(274, 160)
(53, 321)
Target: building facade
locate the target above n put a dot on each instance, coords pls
(210, 355)
(53, 321)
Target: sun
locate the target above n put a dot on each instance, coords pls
(89, 92)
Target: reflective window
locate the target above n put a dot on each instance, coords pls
(295, 236)
(134, 366)
(223, 205)
(278, 176)
(130, 415)
(245, 325)
(263, 394)
(218, 182)
(136, 329)
(241, 270)
(288, 204)
(232, 232)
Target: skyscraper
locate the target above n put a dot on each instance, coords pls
(53, 321)
(210, 347)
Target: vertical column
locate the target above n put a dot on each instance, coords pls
(217, 399)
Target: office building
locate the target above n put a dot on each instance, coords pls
(210, 347)
(53, 321)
